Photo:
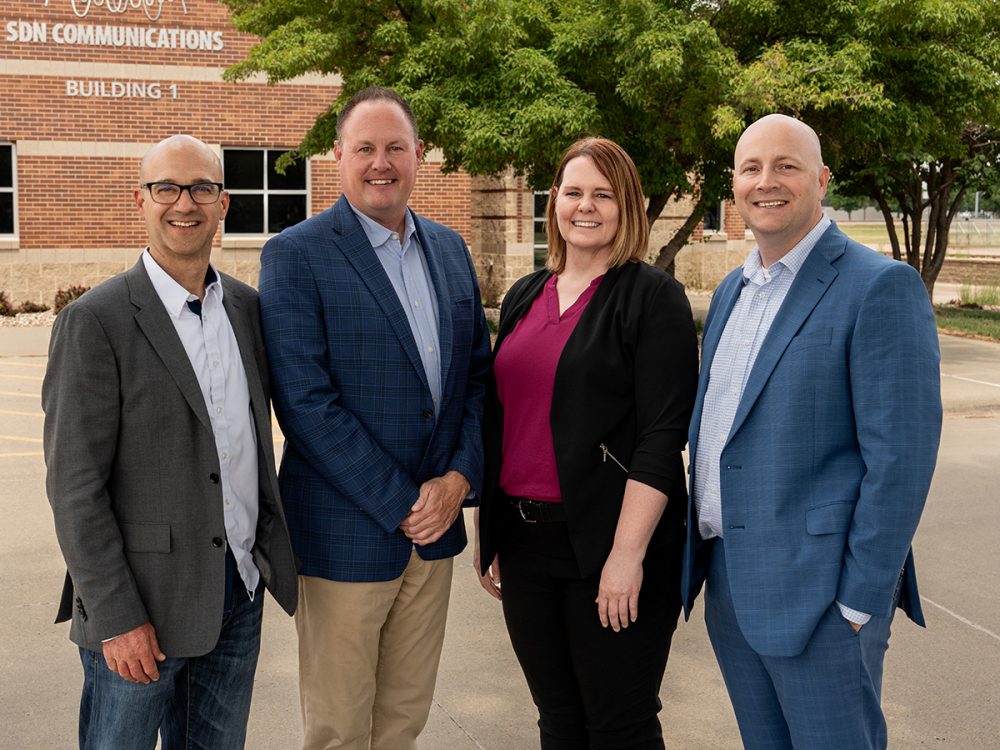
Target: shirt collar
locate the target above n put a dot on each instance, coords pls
(172, 294)
(792, 260)
(378, 235)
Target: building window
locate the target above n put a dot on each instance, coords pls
(7, 203)
(541, 240)
(261, 201)
(712, 222)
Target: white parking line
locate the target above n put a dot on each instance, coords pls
(22, 413)
(970, 380)
(961, 619)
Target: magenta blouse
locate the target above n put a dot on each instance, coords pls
(525, 371)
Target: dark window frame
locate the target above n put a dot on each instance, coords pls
(11, 189)
(718, 211)
(265, 191)
(539, 230)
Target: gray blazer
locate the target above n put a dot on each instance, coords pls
(133, 474)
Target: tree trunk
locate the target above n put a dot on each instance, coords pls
(925, 252)
(655, 207)
(890, 223)
(669, 251)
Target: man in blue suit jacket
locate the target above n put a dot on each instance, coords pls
(813, 442)
(379, 350)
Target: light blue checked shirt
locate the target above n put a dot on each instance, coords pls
(763, 292)
(406, 267)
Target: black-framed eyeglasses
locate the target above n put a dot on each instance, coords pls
(169, 192)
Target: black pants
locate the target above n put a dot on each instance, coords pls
(595, 689)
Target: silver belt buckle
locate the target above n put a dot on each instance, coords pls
(520, 509)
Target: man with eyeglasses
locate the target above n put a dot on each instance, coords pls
(161, 477)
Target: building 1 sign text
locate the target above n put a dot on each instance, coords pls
(101, 89)
(92, 35)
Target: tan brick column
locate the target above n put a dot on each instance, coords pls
(502, 233)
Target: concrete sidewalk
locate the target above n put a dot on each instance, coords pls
(940, 684)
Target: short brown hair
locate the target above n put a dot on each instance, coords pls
(632, 241)
(376, 94)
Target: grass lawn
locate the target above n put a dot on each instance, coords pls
(966, 322)
(867, 234)
(874, 233)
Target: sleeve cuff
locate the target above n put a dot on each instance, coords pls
(852, 615)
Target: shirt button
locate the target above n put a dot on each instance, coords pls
(215, 363)
(226, 501)
(416, 303)
(430, 349)
(224, 456)
(218, 410)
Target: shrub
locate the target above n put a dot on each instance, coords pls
(6, 309)
(65, 296)
(979, 296)
(32, 307)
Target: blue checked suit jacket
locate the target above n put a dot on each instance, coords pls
(352, 398)
(830, 456)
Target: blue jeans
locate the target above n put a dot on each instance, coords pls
(199, 702)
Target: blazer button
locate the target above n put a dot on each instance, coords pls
(213, 478)
(216, 541)
(427, 413)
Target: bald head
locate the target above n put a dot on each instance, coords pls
(176, 145)
(798, 136)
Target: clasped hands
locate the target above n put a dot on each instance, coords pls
(437, 507)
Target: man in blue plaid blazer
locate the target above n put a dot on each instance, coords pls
(813, 441)
(379, 350)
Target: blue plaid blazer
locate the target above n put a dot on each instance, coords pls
(352, 398)
(830, 456)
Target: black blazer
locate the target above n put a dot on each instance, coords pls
(626, 380)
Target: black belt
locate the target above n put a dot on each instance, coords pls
(533, 511)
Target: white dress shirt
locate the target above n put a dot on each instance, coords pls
(215, 358)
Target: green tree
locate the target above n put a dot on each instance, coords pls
(916, 125)
(510, 83)
(989, 193)
(841, 202)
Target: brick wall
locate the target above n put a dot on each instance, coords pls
(82, 114)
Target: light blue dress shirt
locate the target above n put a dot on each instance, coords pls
(405, 265)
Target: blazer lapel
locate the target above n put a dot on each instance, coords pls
(153, 320)
(354, 245)
(439, 283)
(811, 283)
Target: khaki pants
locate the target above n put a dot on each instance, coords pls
(368, 656)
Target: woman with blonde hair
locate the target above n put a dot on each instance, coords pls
(593, 384)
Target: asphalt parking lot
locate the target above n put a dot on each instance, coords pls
(941, 684)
